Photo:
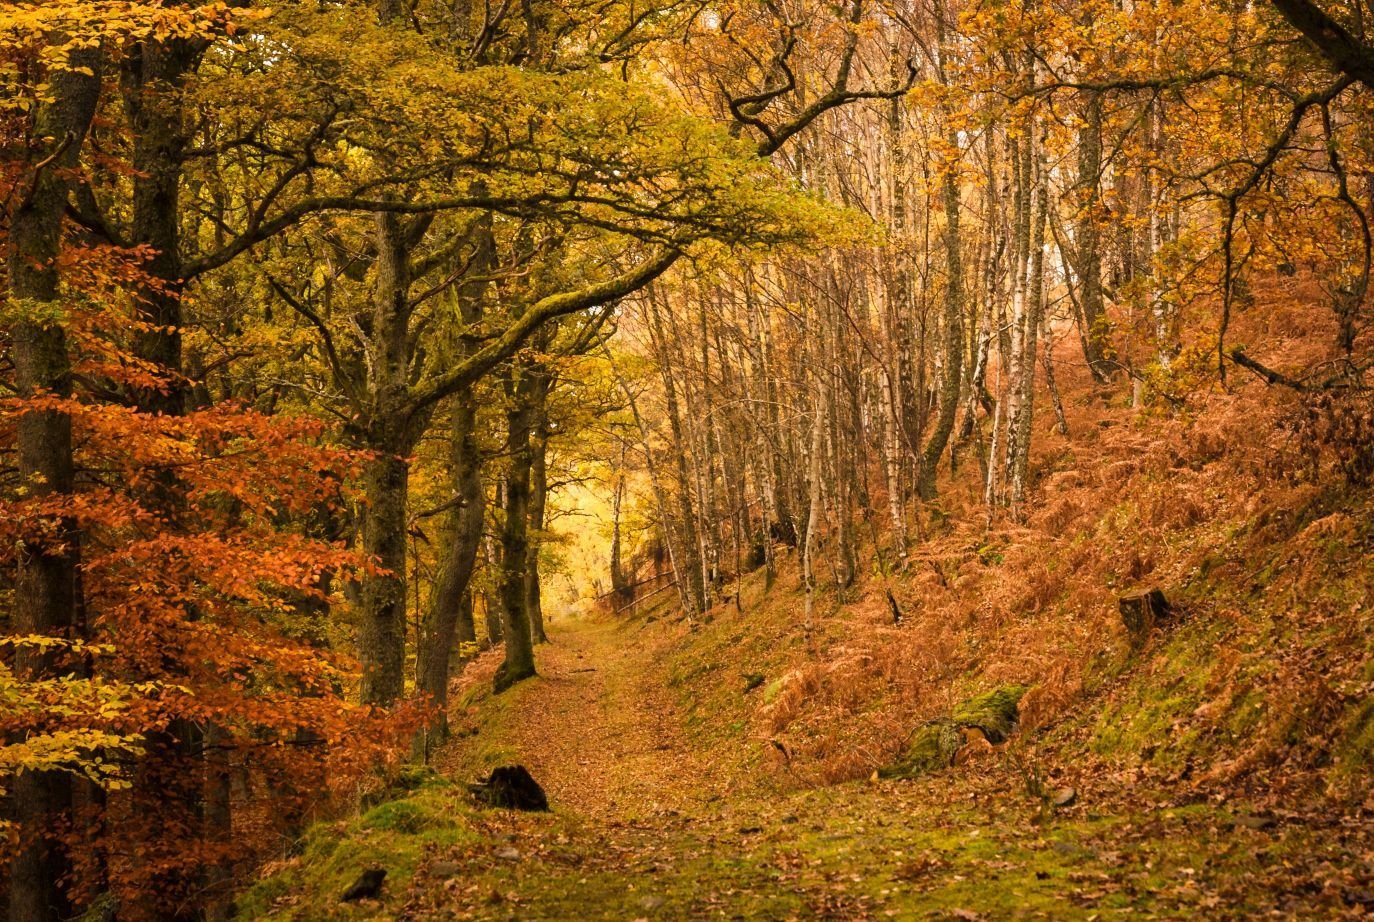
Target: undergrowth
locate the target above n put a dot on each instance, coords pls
(1241, 507)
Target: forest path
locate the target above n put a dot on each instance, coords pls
(658, 817)
(602, 736)
(646, 822)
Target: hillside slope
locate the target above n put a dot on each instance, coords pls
(667, 805)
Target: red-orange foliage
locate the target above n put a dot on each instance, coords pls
(204, 589)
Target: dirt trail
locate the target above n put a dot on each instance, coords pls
(604, 739)
(646, 825)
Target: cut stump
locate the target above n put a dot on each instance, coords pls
(1142, 612)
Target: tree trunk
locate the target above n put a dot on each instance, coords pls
(390, 437)
(382, 628)
(896, 306)
(539, 489)
(952, 319)
(660, 495)
(450, 614)
(219, 876)
(1020, 422)
(445, 622)
(813, 518)
(1047, 359)
(46, 596)
(1020, 152)
(953, 350)
(690, 571)
(515, 623)
(172, 773)
(620, 591)
(1088, 239)
(152, 89)
(491, 606)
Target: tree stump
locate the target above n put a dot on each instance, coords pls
(366, 887)
(1141, 612)
(511, 787)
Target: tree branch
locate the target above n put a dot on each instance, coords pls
(1342, 50)
(470, 369)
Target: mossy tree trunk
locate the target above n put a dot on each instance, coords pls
(382, 629)
(539, 489)
(448, 620)
(390, 437)
(518, 664)
(449, 617)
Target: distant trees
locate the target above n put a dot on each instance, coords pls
(1054, 174)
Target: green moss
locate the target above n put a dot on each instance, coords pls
(320, 842)
(994, 712)
(1144, 723)
(394, 835)
(414, 777)
(1247, 711)
(921, 850)
(773, 689)
(1356, 752)
(404, 816)
(474, 694)
(934, 744)
(932, 748)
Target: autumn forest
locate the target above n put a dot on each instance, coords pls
(670, 459)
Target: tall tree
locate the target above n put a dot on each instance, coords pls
(47, 593)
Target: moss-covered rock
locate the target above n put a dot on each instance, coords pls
(995, 712)
(933, 746)
(397, 835)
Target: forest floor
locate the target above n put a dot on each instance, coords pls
(658, 814)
